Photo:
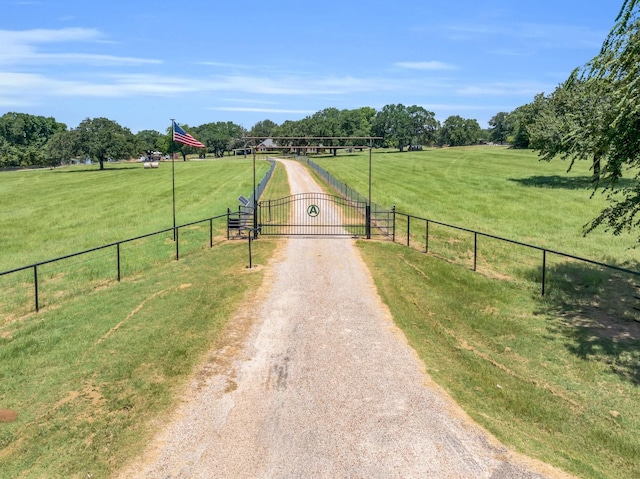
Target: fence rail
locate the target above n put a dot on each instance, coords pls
(387, 222)
(118, 257)
(477, 234)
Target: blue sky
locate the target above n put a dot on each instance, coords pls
(144, 63)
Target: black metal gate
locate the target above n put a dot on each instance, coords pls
(314, 214)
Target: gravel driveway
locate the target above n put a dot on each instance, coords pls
(321, 383)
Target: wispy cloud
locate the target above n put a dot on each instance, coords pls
(262, 110)
(428, 65)
(21, 48)
(534, 35)
(505, 89)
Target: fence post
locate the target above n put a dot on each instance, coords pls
(118, 254)
(228, 217)
(393, 212)
(544, 269)
(408, 230)
(210, 232)
(35, 283)
(175, 235)
(368, 219)
(475, 251)
(426, 244)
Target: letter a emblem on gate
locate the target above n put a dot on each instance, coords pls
(313, 211)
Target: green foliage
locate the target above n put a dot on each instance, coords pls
(23, 138)
(263, 129)
(402, 126)
(102, 139)
(457, 131)
(499, 128)
(618, 67)
(150, 140)
(220, 136)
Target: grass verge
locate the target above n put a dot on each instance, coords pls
(548, 385)
(92, 378)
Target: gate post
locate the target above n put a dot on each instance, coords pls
(393, 210)
(368, 219)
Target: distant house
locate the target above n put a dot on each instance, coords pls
(266, 145)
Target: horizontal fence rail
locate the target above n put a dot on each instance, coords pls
(117, 252)
(232, 222)
(387, 221)
(411, 225)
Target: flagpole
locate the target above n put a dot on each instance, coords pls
(173, 179)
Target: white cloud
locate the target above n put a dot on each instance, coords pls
(21, 48)
(430, 65)
(262, 110)
(505, 89)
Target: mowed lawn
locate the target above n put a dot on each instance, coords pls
(497, 190)
(48, 213)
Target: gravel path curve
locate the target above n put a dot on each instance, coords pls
(323, 385)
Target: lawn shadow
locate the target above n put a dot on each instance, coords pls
(598, 319)
(565, 182)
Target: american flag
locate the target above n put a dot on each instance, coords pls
(185, 138)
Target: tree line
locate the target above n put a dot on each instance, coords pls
(29, 140)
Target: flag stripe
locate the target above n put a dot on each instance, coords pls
(185, 138)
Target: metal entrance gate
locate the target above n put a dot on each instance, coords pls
(314, 214)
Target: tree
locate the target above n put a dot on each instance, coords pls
(617, 66)
(499, 128)
(595, 115)
(423, 124)
(24, 138)
(395, 125)
(149, 140)
(263, 129)
(458, 131)
(61, 147)
(101, 139)
(574, 122)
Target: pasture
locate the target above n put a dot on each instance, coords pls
(51, 213)
(505, 192)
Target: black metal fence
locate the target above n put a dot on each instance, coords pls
(495, 254)
(417, 229)
(116, 254)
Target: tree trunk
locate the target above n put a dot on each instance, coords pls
(101, 163)
(596, 168)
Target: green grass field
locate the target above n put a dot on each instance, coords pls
(505, 192)
(52, 213)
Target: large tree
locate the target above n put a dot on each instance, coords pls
(263, 129)
(101, 139)
(393, 124)
(458, 131)
(618, 67)
(24, 138)
(499, 128)
(574, 122)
